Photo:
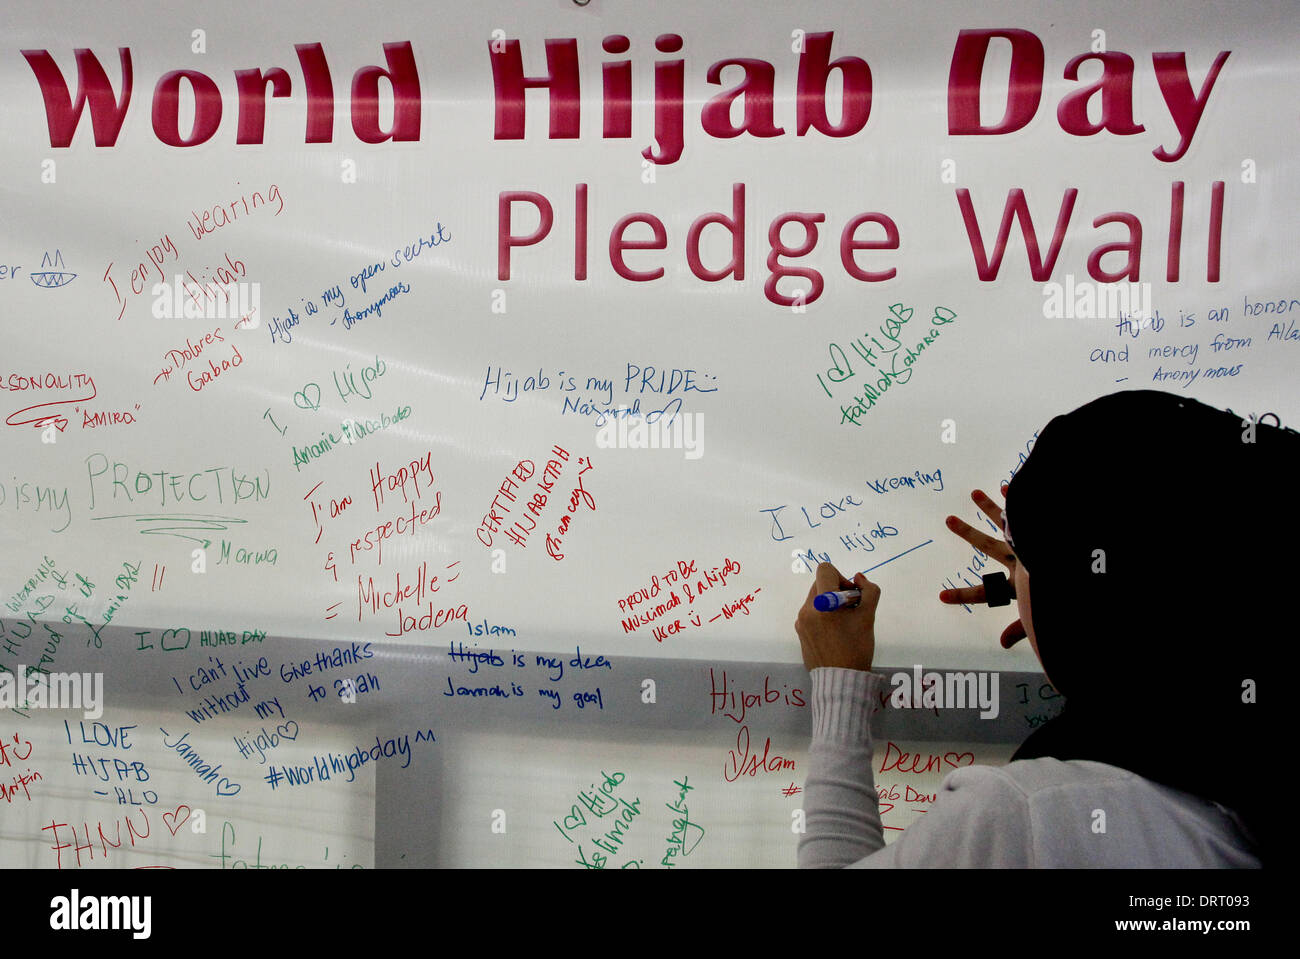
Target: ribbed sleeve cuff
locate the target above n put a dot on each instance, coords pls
(842, 704)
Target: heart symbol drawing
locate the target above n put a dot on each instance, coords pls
(301, 400)
(283, 730)
(176, 818)
(174, 632)
(970, 757)
(233, 792)
(845, 372)
(578, 818)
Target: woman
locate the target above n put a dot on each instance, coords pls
(1142, 541)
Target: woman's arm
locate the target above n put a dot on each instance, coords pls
(980, 818)
(841, 807)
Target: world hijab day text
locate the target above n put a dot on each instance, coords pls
(753, 93)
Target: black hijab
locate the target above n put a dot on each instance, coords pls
(1154, 529)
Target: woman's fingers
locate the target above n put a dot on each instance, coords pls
(963, 596)
(829, 579)
(1013, 634)
(996, 548)
(842, 638)
(870, 593)
(991, 509)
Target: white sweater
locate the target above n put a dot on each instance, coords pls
(1037, 812)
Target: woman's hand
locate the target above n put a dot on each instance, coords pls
(845, 637)
(996, 548)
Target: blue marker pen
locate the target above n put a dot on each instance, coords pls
(835, 599)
